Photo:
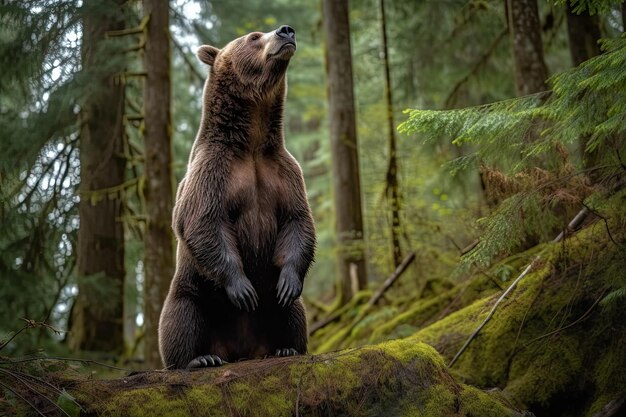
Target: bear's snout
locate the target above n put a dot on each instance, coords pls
(286, 32)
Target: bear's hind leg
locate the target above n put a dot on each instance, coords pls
(294, 337)
(184, 335)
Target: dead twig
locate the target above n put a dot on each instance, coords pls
(29, 325)
(572, 226)
(604, 220)
(56, 358)
(323, 323)
(575, 322)
(19, 377)
(17, 394)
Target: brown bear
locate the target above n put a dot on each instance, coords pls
(245, 232)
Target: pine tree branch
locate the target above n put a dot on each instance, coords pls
(131, 31)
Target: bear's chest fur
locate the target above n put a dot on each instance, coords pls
(255, 192)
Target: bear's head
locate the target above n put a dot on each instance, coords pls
(252, 66)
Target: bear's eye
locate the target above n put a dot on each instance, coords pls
(255, 36)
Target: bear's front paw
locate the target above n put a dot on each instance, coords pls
(206, 361)
(289, 287)
(241, 293)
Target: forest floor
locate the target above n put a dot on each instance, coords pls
(553, 347)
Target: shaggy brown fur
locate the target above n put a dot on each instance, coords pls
(245, 232)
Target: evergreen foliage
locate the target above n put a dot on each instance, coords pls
(43, 88)
(539, 130)
(40, 57)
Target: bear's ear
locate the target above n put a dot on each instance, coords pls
(207, 54)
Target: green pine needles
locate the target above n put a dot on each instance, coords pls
(544, 153)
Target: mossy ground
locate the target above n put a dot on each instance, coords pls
(399, 377)
(551, 346)
(554, 346)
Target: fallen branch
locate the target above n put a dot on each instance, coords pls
(612, 409)
(338, 312)
(375, 298)
(63, 359)
(378, 294)
(392, 278)
(323, 323)
(571, 227)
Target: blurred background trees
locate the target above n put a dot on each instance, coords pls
(87, 144)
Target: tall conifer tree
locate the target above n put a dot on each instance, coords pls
(158, 239)
(344, 148)
(98, 324)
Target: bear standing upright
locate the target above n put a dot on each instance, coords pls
(245, 232)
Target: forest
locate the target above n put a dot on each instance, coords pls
(465, 166)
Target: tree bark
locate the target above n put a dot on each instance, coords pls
(529, 68)
(392, 187)
(158, 191)
(95, 325)
(525, 32)
(584, 32)
(344, 150)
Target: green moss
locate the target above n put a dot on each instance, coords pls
(145, 402)
(476, 403)
(418, 313)
(201, 399)
(437, 400)
(609, 375)
(266, 397)
(552, 369)
(407, 352)
(549, 346)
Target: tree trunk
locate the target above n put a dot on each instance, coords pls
(392, 188)
(344, 150)
(584, 32)
(96, 325)
(529, 69)
(158, 191)
(525, 33)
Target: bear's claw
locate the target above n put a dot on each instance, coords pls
(289, 287)
(206, 361)
(286, 352)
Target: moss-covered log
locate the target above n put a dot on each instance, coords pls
(555, 346)
(397, 378)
